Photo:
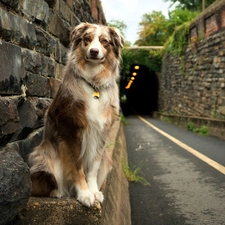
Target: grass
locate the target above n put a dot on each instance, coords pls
(190, 126)
(166, 119)
(123, 119)
(203, 130)
(132, 174)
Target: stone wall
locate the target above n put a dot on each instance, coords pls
(194, 84)
(34, 39)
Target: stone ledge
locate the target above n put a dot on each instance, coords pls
(50, 211)
(216, 127)
(115, 209)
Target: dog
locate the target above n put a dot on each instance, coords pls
(71, 159)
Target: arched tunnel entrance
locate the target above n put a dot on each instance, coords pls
(141, 91)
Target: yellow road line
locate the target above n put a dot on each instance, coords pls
(194, 152)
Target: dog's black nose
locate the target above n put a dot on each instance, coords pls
(94, 52)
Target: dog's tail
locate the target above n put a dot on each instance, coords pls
(105, 167)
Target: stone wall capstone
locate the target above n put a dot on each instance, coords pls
(194, 84)
(34, 39)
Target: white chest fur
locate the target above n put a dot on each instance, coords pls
(96, 107)
(97, 118)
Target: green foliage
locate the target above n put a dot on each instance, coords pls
(178, 17)
(166, 119)
(190, 126)
(152, 29)
(179, 40)
(191, 5)
(123, 119)
(132, 174)
(203, 130)
(155, 28)
(150, 58)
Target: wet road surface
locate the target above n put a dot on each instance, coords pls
(183, 188)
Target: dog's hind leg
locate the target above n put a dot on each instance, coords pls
(46, 172)
(58, 172)
(42, 177)
(42, 184)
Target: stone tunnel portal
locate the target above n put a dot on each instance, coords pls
(141, 91)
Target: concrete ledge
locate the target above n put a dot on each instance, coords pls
(216, 127)
(50, 211)
(115, 209)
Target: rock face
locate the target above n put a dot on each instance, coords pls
(15, 185)
(34, 39)
(194, 84)
(32, 58)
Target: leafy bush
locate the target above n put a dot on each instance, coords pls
(203, 130)
(177, 43)
(190, 126)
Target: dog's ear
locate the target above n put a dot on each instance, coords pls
(77, 32)
(117, 36)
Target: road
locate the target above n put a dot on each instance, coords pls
(185, 189)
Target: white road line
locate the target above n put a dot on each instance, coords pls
(194, 152)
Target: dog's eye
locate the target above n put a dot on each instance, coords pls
(104, 41)
(87, 39)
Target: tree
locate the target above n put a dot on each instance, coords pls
(152, 29)
(178, 17)
(156, 29)
(193, 5)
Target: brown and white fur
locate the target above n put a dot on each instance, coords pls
(71, 159)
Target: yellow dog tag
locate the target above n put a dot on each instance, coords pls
(96, 94)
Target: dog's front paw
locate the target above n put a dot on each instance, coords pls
(85, 197)
(99, 196)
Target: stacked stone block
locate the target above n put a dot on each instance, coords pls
(34, 40)
(194, 84)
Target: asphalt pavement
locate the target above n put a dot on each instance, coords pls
(183, 189)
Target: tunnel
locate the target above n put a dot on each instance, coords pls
(139, 95)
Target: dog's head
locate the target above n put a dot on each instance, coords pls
(96, 42)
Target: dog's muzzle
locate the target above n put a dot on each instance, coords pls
(93, 56)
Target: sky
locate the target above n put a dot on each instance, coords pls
(131, 11)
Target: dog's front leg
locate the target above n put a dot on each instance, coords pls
(84, 195)
(92, 180)
(74, 174)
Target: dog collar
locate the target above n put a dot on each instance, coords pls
(96, 94)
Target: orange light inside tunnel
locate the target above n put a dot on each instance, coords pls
(129, 84)
(134, 74)
(132, 78)
(136, 67)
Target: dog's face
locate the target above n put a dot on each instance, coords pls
(93, 43)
